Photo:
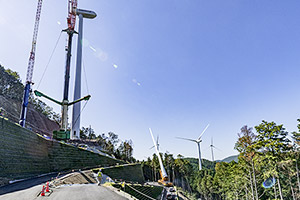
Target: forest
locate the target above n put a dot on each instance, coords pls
(267, 168)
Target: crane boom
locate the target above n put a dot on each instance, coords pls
(30, 64)
(162, 169)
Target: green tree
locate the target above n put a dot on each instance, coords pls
(296, 154)
(87, 133)
(244, 147)
(10, 84)
(271, 143)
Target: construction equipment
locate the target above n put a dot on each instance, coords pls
(61, 134)
(72, 6)
(30, 65)
(64, 133)
(163, 174)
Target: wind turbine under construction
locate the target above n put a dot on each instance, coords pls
(198, 141)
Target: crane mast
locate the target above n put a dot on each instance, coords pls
(64, 133)
(72, 6)
(30, 65)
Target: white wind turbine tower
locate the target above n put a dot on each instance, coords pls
(198, 141)
(212, 151)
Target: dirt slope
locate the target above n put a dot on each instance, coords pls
(36, 121)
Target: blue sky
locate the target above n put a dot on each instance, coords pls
(172, 65)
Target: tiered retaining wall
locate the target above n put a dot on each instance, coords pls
(25, 154)
(128, 172)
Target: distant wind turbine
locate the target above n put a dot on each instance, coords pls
(157, 144)
(198, 141)
(211, 148)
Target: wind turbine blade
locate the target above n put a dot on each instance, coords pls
(153, 139)
(186, 139)
(216, 148)
(163, 171)
(203, 132)
(152, 147)
(212, 141)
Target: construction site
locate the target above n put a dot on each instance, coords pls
(39, 159)
(150, 100)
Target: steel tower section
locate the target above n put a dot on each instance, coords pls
(75, 132)
(30, 65)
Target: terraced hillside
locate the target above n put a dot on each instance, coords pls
(25, 154)
(129, 172)
(142, 192)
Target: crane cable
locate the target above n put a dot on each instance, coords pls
(84, 71)
(49, 60)
(79, 114)
(86, 83)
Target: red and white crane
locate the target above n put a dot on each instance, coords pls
(30, 65)
(72, 7)
(64, 133)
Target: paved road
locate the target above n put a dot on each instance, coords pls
(73, 192)
(25, 184)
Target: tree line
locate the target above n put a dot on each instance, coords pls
(178, 169)
(266, 156)
(11, 87)
(109, 143)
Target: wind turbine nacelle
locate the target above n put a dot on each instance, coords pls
(86, 13)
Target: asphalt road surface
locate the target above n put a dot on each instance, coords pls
(72, 192)
(25, 184)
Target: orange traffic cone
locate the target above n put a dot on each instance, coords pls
(47, 187)
(43, 191)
